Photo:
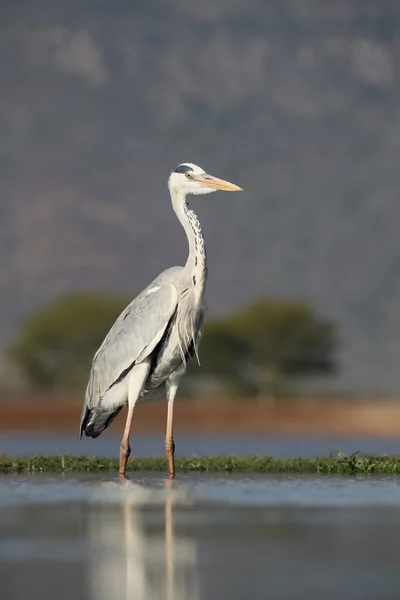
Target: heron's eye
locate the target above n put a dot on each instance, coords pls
(188, 175)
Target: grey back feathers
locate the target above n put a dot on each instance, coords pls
(133, 337)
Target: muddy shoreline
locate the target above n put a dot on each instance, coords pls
(374, 417)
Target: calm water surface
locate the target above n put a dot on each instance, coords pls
(18, 444)
(199, 537)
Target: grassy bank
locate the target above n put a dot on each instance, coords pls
(340, 464)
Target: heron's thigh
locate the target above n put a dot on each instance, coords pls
(172, 383)
(116, 396)
(136, 381)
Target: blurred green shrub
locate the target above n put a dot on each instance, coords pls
(57, 343)
(261, 348)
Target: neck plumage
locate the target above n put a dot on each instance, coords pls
(196, 264)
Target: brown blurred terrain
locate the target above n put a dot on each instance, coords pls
(368, 417)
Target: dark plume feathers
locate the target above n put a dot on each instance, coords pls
(97, 419)
(183, 169)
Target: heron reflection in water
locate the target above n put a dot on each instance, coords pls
(154, 337)
(153, 562)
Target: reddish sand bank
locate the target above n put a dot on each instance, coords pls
(311, 418)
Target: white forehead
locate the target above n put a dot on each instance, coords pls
(195, 168)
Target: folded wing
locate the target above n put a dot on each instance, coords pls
(132, 339)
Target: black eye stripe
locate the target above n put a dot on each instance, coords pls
(183, 169)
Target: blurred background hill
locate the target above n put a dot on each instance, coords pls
(297, 101)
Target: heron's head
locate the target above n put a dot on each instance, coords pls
(191, 179)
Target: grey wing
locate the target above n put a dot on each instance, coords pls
(132, 338)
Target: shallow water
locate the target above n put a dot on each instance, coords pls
(199, 537)
(17, 444)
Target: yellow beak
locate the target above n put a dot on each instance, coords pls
(209, 181)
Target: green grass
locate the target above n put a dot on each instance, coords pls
(340, 464)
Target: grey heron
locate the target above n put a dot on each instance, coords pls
(158, 332)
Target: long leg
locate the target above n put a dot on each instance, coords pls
(172, 385)
(137, 380)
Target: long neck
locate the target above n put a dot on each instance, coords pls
(196, 264)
